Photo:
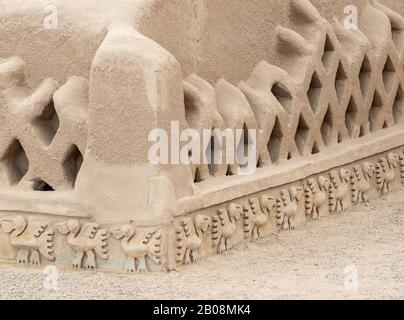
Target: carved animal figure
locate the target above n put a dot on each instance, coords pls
(385, 172)
(137, 244)
(224, 227)
(256, 216)
(190, 237)
(268, 204)
(361, 183)
(339, 190)
(33, 239)
(88, 240)
(287, 207)
(315, 196)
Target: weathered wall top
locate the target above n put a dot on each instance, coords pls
(207, 37)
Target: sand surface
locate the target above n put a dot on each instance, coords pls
(314, 262)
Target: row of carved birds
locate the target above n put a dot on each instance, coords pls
(35, 239)
(341, 186)
(89, 241)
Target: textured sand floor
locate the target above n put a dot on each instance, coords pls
(306, 264)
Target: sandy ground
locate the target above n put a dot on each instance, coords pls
(313, 262)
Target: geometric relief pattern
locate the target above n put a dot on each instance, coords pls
(43, 130)
(332, 83)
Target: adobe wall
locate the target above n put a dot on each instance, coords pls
(214, 38)
(229, 37)
(76, 184)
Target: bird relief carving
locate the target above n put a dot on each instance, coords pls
(256, 216)
(224, 226)
(385, 172)
(139, 244)
(89, 241)
(32, 239)
(190, 236)
(315, 192)
(361, 183)
(340, 190)
(287, 207)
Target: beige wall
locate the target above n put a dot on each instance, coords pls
(70, 48)
(231, 37)
(214, 38)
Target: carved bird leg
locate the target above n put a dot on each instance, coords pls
(141, 264)
(222, 245)
(228, 244)
(385, 188)
(255, 233)
(333, 208)
(194, 256)
(358, 199)
(90, 261)
(130, 264)
(22, 256)
(78, 260)
(188, 256)
(285, 224)
(365, 198)
(344, 205)
(260, 232)
(292, 223)
(35, 259)
(316, 215)
(339, 206)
